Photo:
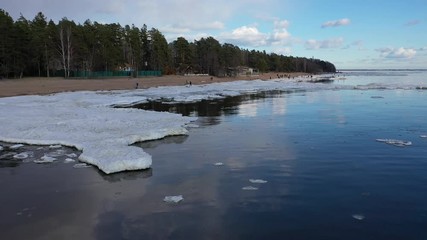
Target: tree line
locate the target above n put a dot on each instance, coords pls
(40, 48)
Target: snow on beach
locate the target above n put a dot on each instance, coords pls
(87, 120)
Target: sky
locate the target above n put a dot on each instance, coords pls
(351, 34)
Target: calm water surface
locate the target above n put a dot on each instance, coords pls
(327, 177)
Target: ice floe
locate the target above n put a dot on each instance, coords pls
(249, 188)
(1, 148)
(81, 165)
(22, 155)
(257, 181)
(45, 159)
(218, 164)
(16, 146)
(71, 155)
(423, 136)
(69, 160)
(359, 217)
(86, 121)
(395, 142)
(173, 199)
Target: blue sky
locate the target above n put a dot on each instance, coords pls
(351, 34)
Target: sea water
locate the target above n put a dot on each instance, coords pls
(319, 171)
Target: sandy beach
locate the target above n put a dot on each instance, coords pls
(42, 86)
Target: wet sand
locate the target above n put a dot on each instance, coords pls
(42, 86)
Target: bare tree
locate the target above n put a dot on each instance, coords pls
(65, 49)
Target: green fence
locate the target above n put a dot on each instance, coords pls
(108, 74)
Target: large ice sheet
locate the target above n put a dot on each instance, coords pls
(86, 121)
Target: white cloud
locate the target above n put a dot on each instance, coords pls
(283, 24)
(246, 36)
(336, 23)
(251, 36)
(329, 43)
(401, 52)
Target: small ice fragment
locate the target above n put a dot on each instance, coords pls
(69, 160)
(81, 165)
(218, 164)
(395, 142)
(71, 155)
(1, 148)
(421, 136)
(45, 159)
(54, 146)
(16, 146)
(23, 155)
(257, 181)
(192, 125)
(173, 199)
(249, 188)
(57, 153)
(359, 217)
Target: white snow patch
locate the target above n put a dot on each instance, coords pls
(173, 199)
(257, 181)
(249, 188)
(395, 142)
(16, 146)
(218, 164)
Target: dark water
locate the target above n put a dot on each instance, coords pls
(327, 176)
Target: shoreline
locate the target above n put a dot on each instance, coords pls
(45, 86)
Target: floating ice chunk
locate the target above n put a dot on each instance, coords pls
(192, 125)
(359, 217)
(55, 146)
(421, 136)
(45, 159)
(257, 181)
(81, 165)
(69, 160)
(16, 146)
(218, 164)
(71, 155)
(57, 153)
(1, 148)
(23, 155)
(249, 188)
(173, 199)
(395, 142)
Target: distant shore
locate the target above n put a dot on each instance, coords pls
(43, 86)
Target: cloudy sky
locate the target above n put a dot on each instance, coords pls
(351, 34)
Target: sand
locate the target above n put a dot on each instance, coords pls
(43, 86)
